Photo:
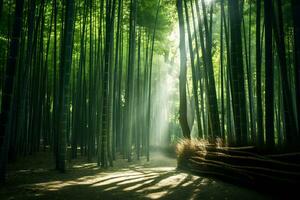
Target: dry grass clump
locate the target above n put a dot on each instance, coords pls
(186, 149)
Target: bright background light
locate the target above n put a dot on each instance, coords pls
(208, 1)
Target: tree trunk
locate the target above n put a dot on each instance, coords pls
(214, 121)
(260, 130)
(64, 78)
(6, 101)
(1, 8)
(182, 77)
(291, 129)
(198, 76)
(237, 74)
(269, 93)
(296, 17)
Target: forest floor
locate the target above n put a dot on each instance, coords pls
(33, 177)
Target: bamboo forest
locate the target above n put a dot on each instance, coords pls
(149, 99)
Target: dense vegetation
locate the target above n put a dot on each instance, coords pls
(86, 77)
(245, 71)
(78, 74)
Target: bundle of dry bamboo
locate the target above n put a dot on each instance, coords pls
(243, 165)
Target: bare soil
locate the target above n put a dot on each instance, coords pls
(33, 177)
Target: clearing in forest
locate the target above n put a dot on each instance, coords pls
(34, 178)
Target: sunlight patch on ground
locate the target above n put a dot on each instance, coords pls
(55, 185)
(155, 169)
(111, 188)
(149, 182)
(86, 165)
(194, 195)
(168, 182)
(125, 182)
(158, 179)
(27, 171)
(205, 181)
(157, 195)
(118, 178)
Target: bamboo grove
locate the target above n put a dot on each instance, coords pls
(244, 60)
(77, 78)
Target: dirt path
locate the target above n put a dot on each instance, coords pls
(157, 179)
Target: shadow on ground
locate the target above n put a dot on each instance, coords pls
(158, 179)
